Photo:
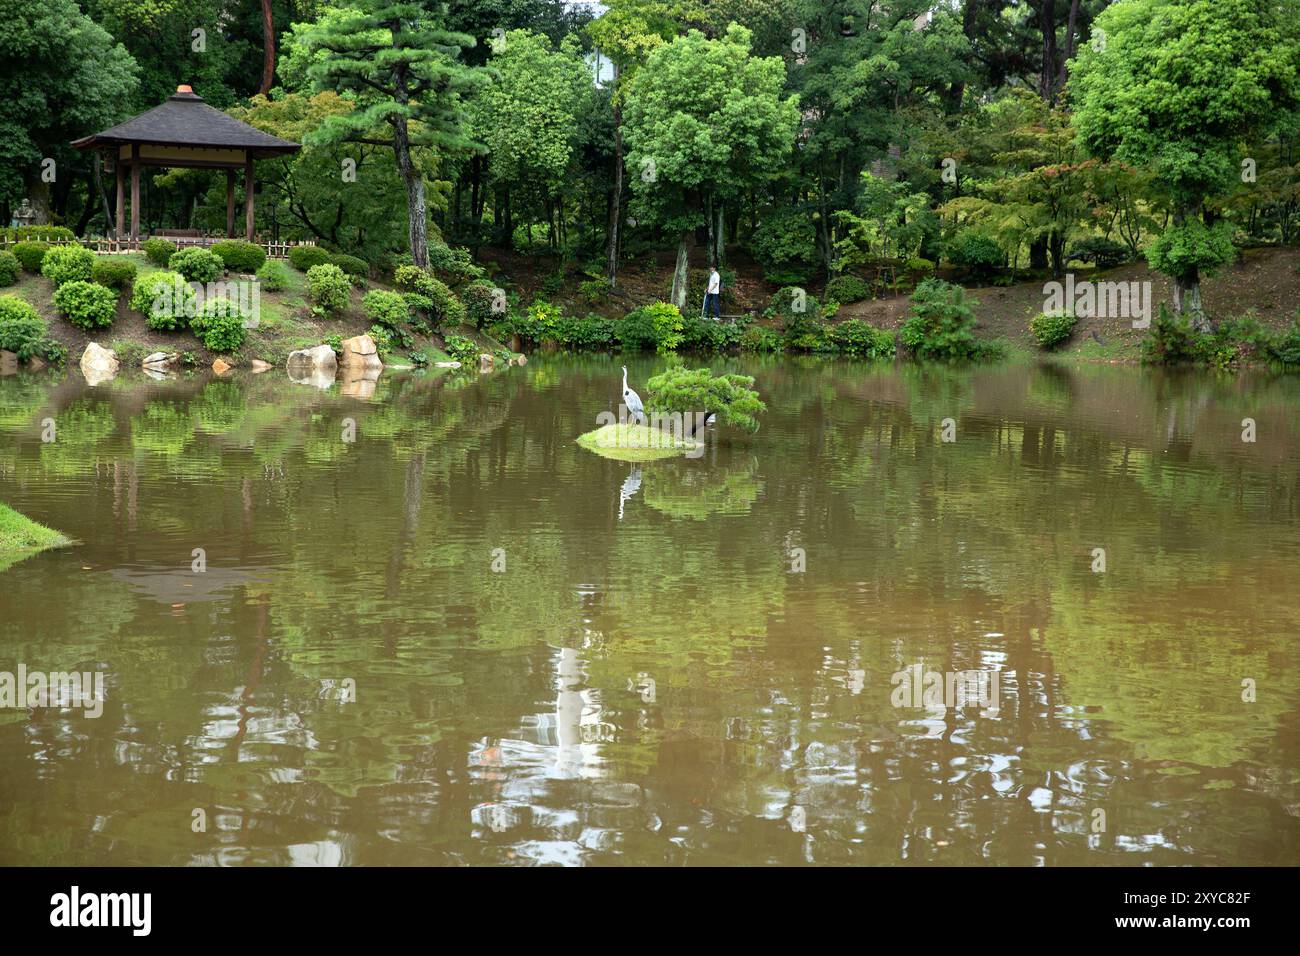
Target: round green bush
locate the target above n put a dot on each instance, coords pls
(845, 289)
(861, 340)
(240, 256)
(304, 257)
(329, 287)
(220, 325)
(385, 308)
(352, 265)
(197, 264)
(158, 251)
(68, 264)
(114, 273)
(165, 299)
(9, 267)
(481, 299)
(30, 253)
(1050, 329)
(87, 305)
(976, 251)
(272, 276)
(22, 330)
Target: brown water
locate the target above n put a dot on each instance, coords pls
(639, 675)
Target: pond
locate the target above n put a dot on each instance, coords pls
(429, 628)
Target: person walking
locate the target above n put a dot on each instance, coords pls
(713, 294)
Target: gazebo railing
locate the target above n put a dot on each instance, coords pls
(108, 245)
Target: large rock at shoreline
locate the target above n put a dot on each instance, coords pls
(98, 364)
(360, 352)
(160, 361)
(315, 366)
(8, 362)
(221, 366)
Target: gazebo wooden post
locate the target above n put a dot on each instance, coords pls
(119, 224)
(230, 204)
(135, 191)
(248, 196)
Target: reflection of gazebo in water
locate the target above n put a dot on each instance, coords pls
(185, 131)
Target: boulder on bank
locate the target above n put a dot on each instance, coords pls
(257, 365)
(314, 366)
(221, 366)
(98, 364)
(8, 362)
(360, 352)
(161, 361)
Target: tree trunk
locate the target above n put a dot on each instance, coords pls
(1047, 26)
(1187, 301)
(719, 232)
(268, 49)
(1068, 52)
(680, 273)
(416, 213)
(616, 201)
(1038, 254)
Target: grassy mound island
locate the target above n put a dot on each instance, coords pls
(628, 442)
(21, 537)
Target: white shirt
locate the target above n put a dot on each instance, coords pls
(715, 283)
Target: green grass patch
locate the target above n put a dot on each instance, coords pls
(626, 442)
(21, 537)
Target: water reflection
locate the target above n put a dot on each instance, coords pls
(648, 679)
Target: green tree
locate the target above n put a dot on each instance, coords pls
(704, 121)
(407, 89)
(1176, 86)
(732, 398)
(64, 78)
(528, 119)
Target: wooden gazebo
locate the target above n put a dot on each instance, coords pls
(185, 131)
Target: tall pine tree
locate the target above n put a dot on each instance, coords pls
(404, 71)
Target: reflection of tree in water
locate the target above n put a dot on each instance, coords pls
(698, 490)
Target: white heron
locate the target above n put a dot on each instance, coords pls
(633, 401)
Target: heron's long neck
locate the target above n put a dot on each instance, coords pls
(625, 380)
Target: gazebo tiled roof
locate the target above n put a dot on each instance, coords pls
(186, 132)
(185, 120)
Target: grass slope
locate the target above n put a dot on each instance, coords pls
(21, 537)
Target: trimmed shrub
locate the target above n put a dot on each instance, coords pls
(429, 296)
(658, 326)
(68, 264)
(861, 339)
(304, 257)
(30, 254)
(479, 298)
(706, 335)
(975, 251)
(461, 349)
(328, 286)
(846, 289)
(22, 330)
(1285, 346)
(1050, 329)
(197, 264)
(9, 267)
(385, 308)
(1105, 253)
(113, 273)
(352, 265)
(272, 276)
(941, 324)
(39, 234)
(240, 255)
(158, 251)
(165, 299)
(87, 305)
(220, 325)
